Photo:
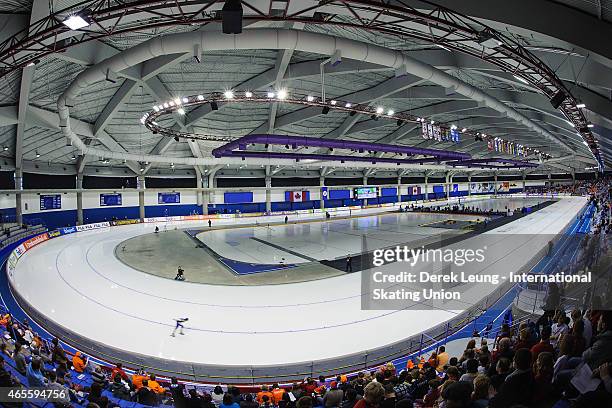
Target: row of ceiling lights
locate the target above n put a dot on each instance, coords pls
(281, 94)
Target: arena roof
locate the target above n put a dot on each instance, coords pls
(564, 36)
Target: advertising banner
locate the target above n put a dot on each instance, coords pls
(32, 242)
(67, 230)
(95, 225)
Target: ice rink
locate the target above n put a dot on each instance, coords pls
(76, 282)
(306, 242)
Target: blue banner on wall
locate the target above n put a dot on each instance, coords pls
(438, 189)
(388, 191)
(238, 198)
(339, 194)
(168, 198)
(324, 193)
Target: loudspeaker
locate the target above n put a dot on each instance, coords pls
(325, 110)
(231, 17)
(558, 99)
(214, 106)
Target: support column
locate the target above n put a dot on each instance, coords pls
(469, 185)
(79, 186)
(399, 188)
(495, 186)
(426, 187)
(364, 181)
(268, 194)
(18, 203)
(140, 185)
(524, 177)
(449, 179)
(205, 196)
(198, 185)
(322, 200)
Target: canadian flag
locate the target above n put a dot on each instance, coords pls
(297, 196)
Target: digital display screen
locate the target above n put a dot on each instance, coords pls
(50, 202)
(168, 198)
(110, 199)
(366, 192)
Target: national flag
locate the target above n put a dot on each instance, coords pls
(296, 196)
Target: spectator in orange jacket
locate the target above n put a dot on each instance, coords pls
(154, 385)
(78, 363)
(264, 391)
(277, 392)
(138, 377)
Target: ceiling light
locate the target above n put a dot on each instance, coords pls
(270, 94)
(432, 121)
(73, 157)
(282, 94)
(156, 108)
(200, 97)
(463, 130)
(581, 105)
(390, 112)
(590, 125)
(310, 98)
(166, 105)
(178, 101)
(75, 22)
(229, 94)
(248, 94)
(333, 102)
(185, 99)
(37, 155)
(171, 103)
(5, 148)
(348, 105)
(380, 110)
(180, 111)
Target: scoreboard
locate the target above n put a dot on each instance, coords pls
(168, 198)
(110, 199)
(50, 202)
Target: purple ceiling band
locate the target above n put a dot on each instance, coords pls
(301, 141)
(340, 158)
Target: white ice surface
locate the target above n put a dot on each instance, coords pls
(77, 282)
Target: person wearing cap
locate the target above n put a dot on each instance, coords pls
(333, 397)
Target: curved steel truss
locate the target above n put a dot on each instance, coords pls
(150, 119)
(395, 19)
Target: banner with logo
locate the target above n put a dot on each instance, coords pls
(94, 226)
(32, 242)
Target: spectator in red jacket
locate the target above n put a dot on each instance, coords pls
(543, 345)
